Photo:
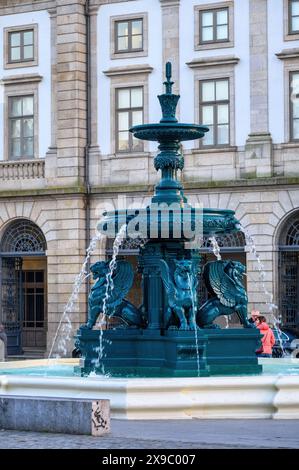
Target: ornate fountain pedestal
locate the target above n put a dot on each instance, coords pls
(172, 333)
(144, 353)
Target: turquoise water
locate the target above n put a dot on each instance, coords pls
(46, 371)
(279, 366)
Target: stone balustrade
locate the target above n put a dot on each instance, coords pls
(22, 169)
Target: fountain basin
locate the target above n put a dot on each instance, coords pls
(274, 396)
(164, 131)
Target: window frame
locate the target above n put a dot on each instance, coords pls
(215, 104)
(291, 112)
(211, 7)
(22, 59)
(130, 35)
(214, 11)
(290, 17)
(21, 118)
(20, 63)
(129, 110)
(114, 20)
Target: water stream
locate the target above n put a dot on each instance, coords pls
(216, 250)
(108, 292)
(195, 329)
(262, 276)
(66, 329)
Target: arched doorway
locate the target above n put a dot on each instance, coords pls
(288, 272)
(23, 286)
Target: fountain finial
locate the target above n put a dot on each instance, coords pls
(168, 100)
(168, 83)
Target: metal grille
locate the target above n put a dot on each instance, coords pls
(230, 242)
(23, 236)
(289, 288)
(292, 236)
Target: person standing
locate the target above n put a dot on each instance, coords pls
(267, 340)
(3, 337)
(254, 315)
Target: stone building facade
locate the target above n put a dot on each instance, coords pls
(76, 73)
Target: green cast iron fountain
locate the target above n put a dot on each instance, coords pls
(172, 332)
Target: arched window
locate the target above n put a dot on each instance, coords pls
(288, 270)
(23, 237)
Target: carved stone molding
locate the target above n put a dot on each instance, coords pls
(213, 61)
(19, 79)
(288, 54)
(128, 70)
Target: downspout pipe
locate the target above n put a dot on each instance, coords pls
(87, 146)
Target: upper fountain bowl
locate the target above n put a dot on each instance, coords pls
(169, 130)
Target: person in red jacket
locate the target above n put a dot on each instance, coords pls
(268, 339)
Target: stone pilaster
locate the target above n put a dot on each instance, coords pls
(258, 149)
(70, 93)
(51, 157)
(170, 39)
(94, 149)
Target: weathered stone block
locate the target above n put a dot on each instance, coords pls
(56, 415)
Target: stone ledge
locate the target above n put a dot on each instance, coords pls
(128, 70)
(255, 397)
(213, 61)
(149, 189)
(56, 415)
(288, 54)
(21, 79)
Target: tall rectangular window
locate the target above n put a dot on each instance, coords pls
(21, 126)
(293, 16)
(213, 26)
(214, 111)
(21, 46)
(129, 112)
(129, 35)
(294, 105)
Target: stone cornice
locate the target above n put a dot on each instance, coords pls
(288, 54)
(213, 61)
(128, 70)
(21, 79)
(237, 185)
(8, 7)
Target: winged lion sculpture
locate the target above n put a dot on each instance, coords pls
(114, 300)
(223, 280)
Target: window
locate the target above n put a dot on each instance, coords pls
(21, 127)
(293, 16)
(294, 105)
(213, 26)
(129, 35)
(214, 111)
(21, 46)
(129, 112)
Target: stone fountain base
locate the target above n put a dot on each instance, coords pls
(174, 353)
(254, 397)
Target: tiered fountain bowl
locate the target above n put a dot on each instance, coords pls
(166, 335)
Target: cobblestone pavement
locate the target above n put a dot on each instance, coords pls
(175, 434)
